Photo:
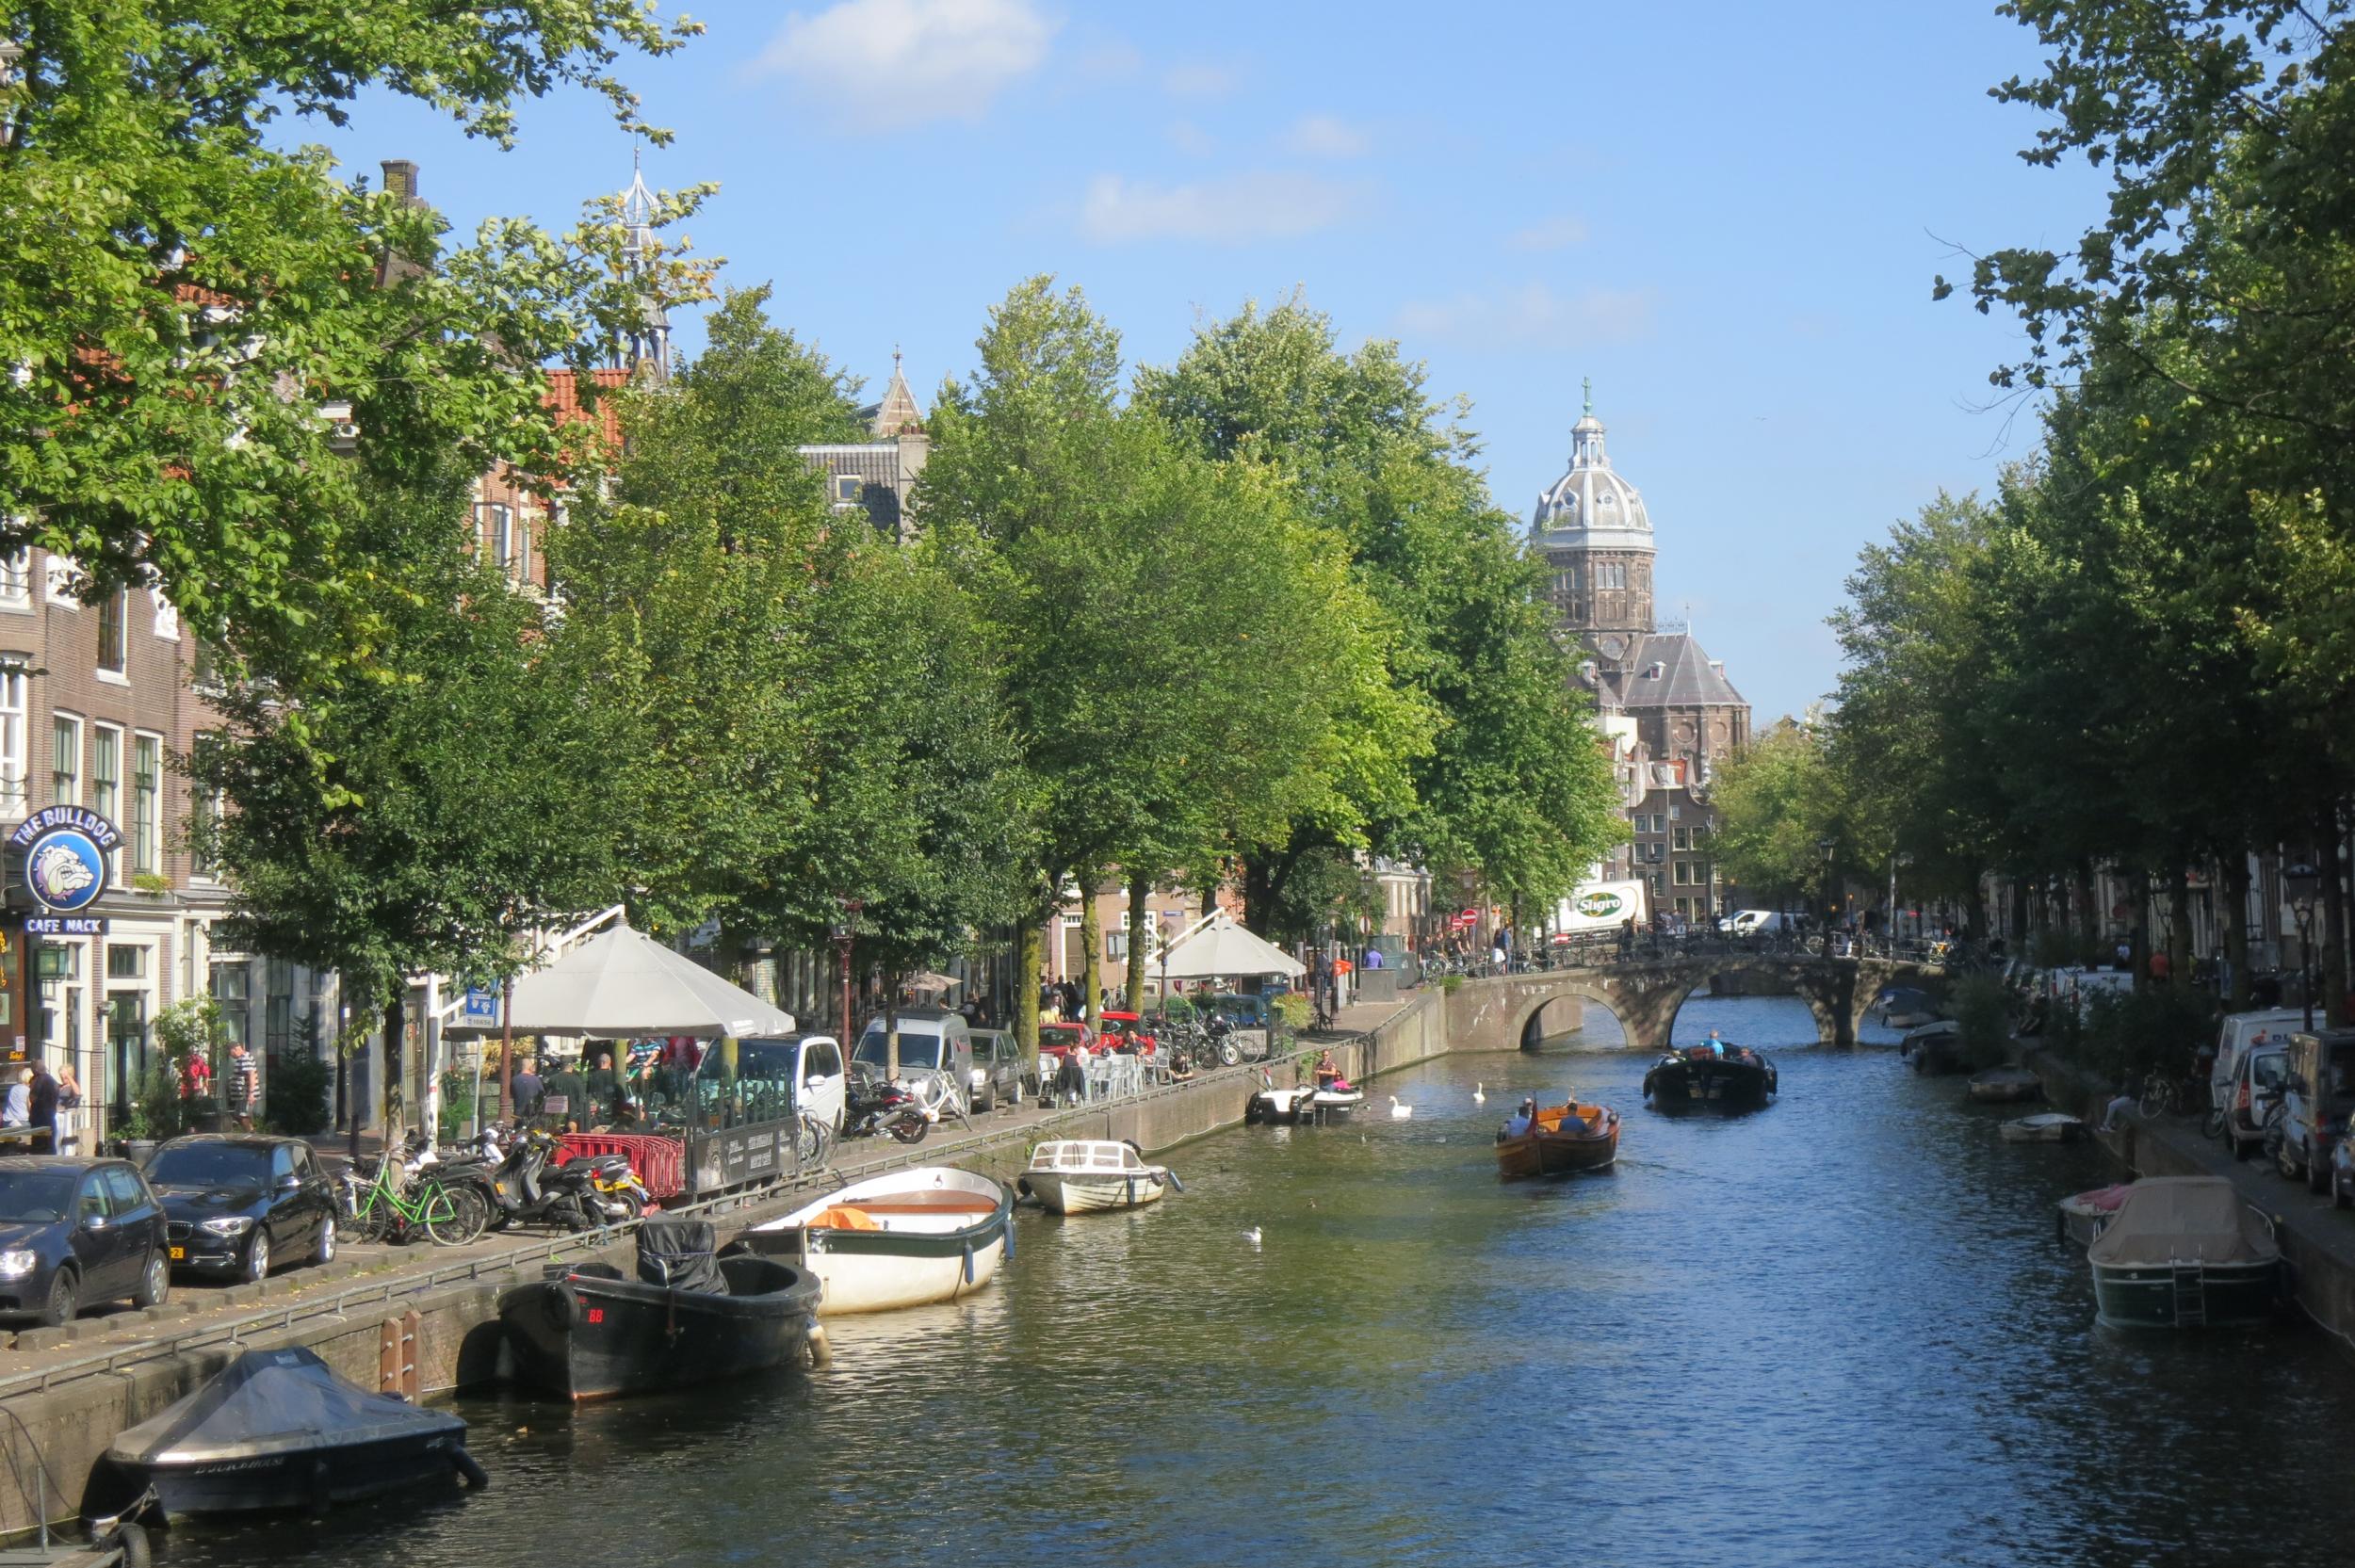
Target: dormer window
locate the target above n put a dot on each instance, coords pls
(847, 490)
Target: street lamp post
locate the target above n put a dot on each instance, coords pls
(2300, 881)
(1827, 846)
(845, 933)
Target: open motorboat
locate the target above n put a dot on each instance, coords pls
(904, 1239)
(2183, 1253)
(1332, 1095)
(1554, 1140)
(1905, 1007)
(2003, 1085)
(2051, 1127)
(689, 1317)
(1734, 1077)
(279, 1430)
(1082, 1175)
(1934, 1048)
(2082, 1215)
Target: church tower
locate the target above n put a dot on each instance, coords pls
(1596, 537)
(649, 348)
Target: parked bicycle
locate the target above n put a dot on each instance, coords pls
(384, 1206)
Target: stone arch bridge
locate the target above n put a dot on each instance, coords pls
(1506, 1013)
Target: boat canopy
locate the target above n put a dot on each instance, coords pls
(2183, 1220)
(1085, 1155)
(271, 1402)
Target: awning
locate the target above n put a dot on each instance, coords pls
(622, 984)
(1222, 947)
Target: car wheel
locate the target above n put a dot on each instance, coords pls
(987, 1103)
(324, 1253)
(257, 1255)
(2317, 1174)
(2232, 1143)
(62, 1304)
(156, 1283)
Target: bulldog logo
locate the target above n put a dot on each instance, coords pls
(60, 875)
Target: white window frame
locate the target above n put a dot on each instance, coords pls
(57, 575)
(16, 718)
(110, 810)
(166, 615)
(98, 655)
(151, 861)
(74, 720)
(16, 579)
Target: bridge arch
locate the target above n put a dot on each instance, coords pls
(1498, 1013)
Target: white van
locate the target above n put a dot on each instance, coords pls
(931, 1040)
(2238, 1033)
(1752, 922)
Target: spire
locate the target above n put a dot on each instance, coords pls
(649, 346)
(1589, 383)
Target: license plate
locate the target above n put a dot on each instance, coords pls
(179, 1254)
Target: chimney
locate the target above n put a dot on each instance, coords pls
(400, 178)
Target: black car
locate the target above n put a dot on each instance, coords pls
(237, 1202)
(78, 1231)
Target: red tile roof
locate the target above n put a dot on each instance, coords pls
(563, 396)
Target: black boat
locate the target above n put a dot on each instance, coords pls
(1734, 1077)
(586, 1332)
(279, 1430)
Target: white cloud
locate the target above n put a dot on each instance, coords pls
(1322, 135)
(882, 62)
(1108, 61)
(1191, 138)
(1234, 209)
(1531, 316)
(1554, 234)
(1201, 79)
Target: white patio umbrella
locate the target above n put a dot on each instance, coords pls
(620, 984)
(1219, 947)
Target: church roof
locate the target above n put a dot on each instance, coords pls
(1591, 507)
(1668, 670)
(898, 413)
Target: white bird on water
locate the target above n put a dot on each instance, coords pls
(1399, 1112)
(1480, 1095)
(1252, 1235)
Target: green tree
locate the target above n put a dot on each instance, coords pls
(180, 303)
(1777, 804)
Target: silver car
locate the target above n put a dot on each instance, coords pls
(997, 1069)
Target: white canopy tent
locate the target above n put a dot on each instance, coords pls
(1217, 945)
(622, 984)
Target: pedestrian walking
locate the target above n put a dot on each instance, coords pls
(243, 1081)
(44, 1107)
(68, 1109)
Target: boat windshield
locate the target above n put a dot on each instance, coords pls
(209, 1165)
(35, 1197)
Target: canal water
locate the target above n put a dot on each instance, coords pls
(1838, 1330)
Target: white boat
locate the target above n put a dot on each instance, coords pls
(1082, 1175)
(904, 1239)
(2050, 1127)
(1335, 1100)
(1303, 1104)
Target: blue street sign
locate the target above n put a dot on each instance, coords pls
(481, 1007)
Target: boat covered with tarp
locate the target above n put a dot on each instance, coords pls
(689, 1317)
(2186, 1252)
(278, 1429)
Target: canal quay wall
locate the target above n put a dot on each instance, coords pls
(73, 1397)
(2317, 1242)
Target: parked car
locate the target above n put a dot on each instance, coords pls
(931, 1040)
(2250, 1098)
(1244, 1011)
(2237, 1033)
(238, 1204)
(2317, 1097)
(997, 1069)
(1128, 1031)
(1058, 1041)
(75, 1232)
(1755, 922)
(815, 1066)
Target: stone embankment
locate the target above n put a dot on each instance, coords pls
(429, 1321)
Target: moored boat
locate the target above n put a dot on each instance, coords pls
(2050, 1127)
(689, 1317)
(1934, 1048)
(2081, 1215)
(2186, 1252)
(1087, 1175)
(279, 1430)
(904, 1239)
(2003, 1085)
(1732, 1078)
(1277, 1106)
(1553, 1140)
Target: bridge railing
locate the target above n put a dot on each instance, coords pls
(1604, 949)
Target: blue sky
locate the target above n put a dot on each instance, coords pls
(1728, 215)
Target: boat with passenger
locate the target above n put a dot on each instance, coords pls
(1731, 1077)
(2185, 1253)
(1087, 1175)
(906, 1239)
(689, 1317)
(1557, 1140)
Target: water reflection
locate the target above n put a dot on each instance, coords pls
(1835, 1332)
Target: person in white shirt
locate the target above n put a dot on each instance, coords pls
(1518, 1124)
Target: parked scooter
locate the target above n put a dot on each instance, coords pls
(528, 1188)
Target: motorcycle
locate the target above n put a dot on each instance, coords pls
(877, 1106)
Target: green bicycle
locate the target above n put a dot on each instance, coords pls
(378, 1208)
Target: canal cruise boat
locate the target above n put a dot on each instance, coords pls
(1728, 1078)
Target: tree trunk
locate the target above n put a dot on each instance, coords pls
(396, 1039)
(1975, 912)
(891, 1028)
(2138, 960)
(1092, 966)
(2179, 925)
(2333, 921)
(1259, 894)
(2016, 921)
(2232, 885)
(2088, 919)
(1140, 889)
(346, 1105)
(1030, 964)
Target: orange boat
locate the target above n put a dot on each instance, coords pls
(1560, 1140)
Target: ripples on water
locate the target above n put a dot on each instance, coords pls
(1838, 1331)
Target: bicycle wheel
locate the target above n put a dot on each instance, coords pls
(2157, 1099)
(453, 1216)
(369, 1215)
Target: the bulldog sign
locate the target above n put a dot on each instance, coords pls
(65, 852)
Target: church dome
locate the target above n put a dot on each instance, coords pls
(1591, 507)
